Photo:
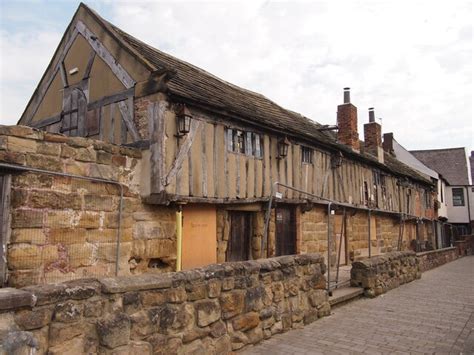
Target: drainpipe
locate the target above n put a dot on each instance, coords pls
(264, 242)
(329, 249)
(179, 236)
(468, 209)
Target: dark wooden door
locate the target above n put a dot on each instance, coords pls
(238, 247)
(285, 235)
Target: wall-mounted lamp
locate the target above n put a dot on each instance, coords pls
(282, 147)
(183, 117)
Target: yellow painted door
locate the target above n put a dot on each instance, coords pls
(199, 236)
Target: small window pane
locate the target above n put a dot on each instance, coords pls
(458, 197)
(306, 155)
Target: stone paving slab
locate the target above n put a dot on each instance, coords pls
(431, 315)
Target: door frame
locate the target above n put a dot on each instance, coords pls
(293, 217)
(251, 217)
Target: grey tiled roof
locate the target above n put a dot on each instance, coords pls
(199, 86)
(450, 162)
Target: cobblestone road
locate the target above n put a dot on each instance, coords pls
(431, 315)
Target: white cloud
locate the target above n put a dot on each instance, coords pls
(411, 60)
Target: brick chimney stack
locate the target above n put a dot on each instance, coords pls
(347, 123)
(373, 137)
(388, 143)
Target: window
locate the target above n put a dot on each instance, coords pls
(377, 181)
(307, 155)
(366, 193)
(249, 143)
(408, 200)
(257, 150)
(427, 199)
(442, 192)
(383, 188)
(458, 196)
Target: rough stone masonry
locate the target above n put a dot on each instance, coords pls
(211, 310)
(63, 228)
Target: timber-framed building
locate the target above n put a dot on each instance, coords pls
(216, 152)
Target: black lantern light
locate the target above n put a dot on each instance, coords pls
(184, 120)
(283, 144)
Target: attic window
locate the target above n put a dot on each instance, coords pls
(306, 155)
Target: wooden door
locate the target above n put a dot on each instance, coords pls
(199, 236)
(285, 243)
(238, 247)
(341, 237)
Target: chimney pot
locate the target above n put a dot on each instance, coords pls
(347, 95)
(371, 115)
(347, 123)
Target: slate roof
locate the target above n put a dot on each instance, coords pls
(450, 162)
(201, 87)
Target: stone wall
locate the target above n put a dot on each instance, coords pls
(62, 228)
(430, 259)
(385, 231)
(382, 273)
(211, 310)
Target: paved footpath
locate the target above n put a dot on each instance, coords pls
(431, 315)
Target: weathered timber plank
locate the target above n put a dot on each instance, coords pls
(105, 55)
(214, 160)
(48, 79)
(87, 72)
(204, 164)
(62, 70)
(157, 111)
(183, 153)
(126, 109)
(107, 100)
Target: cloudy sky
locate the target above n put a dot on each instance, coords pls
(411, 60)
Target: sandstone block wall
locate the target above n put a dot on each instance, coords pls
(62, 228)
(382, 273)
(383, 239)
(430, 259)
(211, 310)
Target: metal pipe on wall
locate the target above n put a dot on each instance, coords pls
(179, 237)
(116, 183)
(329, 248)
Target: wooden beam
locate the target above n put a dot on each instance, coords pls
(214, 158)
(87, 72)
(42, 89)
(204, 160)
(156, 112)
(111, 137)
(62, 70)
(107, 100)
(126, 110)
(105, 55)
(46, 122)
(183, 151)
